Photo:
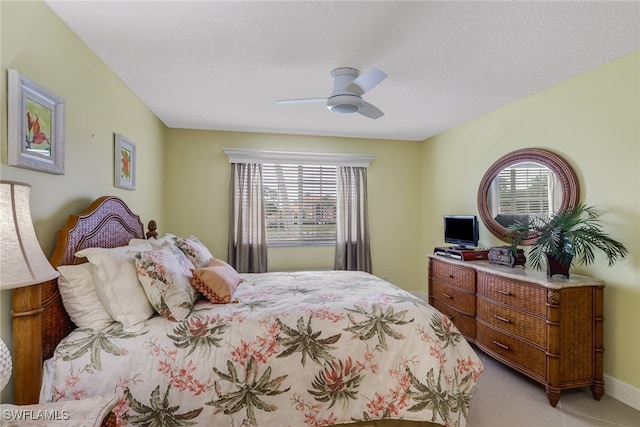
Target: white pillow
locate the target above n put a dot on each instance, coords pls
(165, 275)
(117, 283)
(79, 297)
(155, 243)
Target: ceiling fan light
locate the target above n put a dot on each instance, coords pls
(345, 109)
(345, 104)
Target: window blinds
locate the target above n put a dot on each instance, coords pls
(300, 203)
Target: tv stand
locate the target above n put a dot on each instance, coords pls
(462, 254)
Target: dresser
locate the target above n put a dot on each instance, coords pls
(549, 329)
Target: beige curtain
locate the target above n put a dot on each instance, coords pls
(353, 251)
(247, 236)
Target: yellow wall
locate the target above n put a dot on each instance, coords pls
(37, 44)
(183, 176)
(198, 192)
(593, 121)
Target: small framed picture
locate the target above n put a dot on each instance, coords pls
(35, 126)
(125, 163)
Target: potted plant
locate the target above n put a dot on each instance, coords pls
(564, 237)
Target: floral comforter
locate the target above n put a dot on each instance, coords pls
(292, 349)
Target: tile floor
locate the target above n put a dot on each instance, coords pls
(505, 398)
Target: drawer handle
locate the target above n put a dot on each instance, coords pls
(507, 293)
(447, 296)
(499, 344)
(504, 319)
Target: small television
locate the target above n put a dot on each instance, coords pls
(462, 231)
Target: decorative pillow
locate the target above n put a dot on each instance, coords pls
(217, 281)
(195, 250)
(79, 296)
(117, 283)
(165, 275)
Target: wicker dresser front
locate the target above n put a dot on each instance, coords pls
(453, 292)
(549, 329)
(512, 323)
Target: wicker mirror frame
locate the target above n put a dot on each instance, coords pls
(565, 173)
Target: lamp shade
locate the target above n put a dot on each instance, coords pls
(22, 262)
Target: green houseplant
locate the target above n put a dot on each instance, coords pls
(570, 235)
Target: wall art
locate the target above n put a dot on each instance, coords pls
(35, 126)
(125, 163)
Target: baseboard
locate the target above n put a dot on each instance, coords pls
(622, 391)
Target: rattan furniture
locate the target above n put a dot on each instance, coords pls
(549, 329)
(452, 290)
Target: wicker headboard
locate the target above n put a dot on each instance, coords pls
(40, 321)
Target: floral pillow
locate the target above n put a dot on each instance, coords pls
(195, 250)
(165, 275)
(217, 281)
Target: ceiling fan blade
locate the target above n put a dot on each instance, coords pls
(370, 111)
(301, 101)
(366, 81)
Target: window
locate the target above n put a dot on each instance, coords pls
(300, 192)
(300, 204)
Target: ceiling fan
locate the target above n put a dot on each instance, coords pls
(348, 87)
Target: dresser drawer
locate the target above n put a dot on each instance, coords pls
(530, 328)
(463, 301)
(465, 324)
(527, 356)
(512, 292)
(452, 274)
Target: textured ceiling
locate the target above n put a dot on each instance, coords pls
(222, 65)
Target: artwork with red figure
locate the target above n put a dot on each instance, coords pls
(38, 128)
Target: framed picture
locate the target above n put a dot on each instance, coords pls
(125, 163)
(35, 126)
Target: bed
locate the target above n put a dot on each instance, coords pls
(309, 348)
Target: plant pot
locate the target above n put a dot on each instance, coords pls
(556, 266)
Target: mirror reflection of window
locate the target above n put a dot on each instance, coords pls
(523, 190)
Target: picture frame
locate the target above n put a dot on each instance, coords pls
(35, 126)
(124, 166)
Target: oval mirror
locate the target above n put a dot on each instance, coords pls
(524, 183)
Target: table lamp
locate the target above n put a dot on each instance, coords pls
(22, 262)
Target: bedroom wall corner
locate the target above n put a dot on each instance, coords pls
(97, 105)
